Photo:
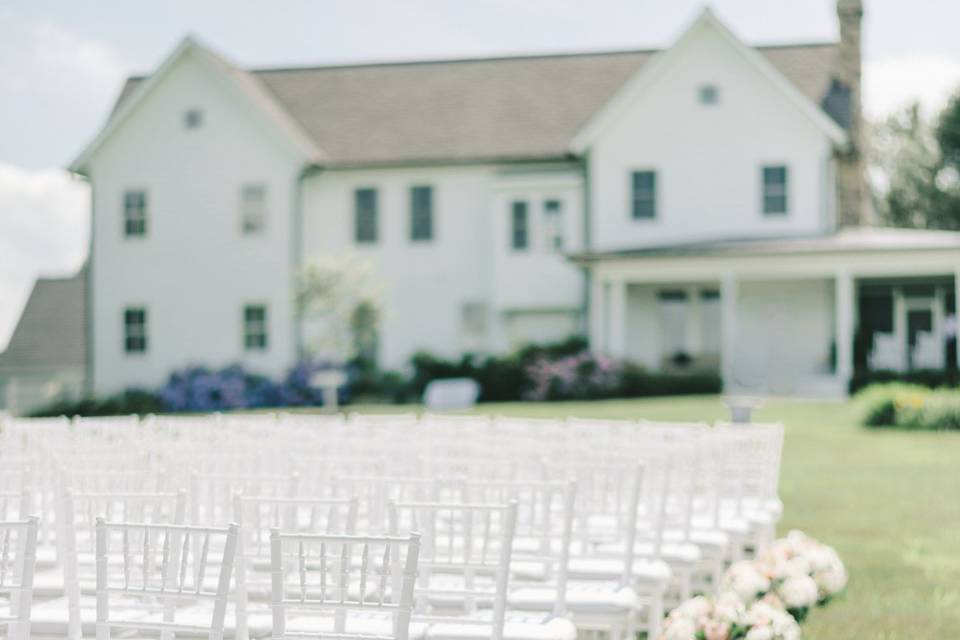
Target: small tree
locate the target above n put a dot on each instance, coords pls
(339, 298)
(917, 168)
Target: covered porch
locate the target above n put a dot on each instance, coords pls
(784, 317)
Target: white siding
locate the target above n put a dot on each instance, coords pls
(708, 159)
(468, 262)
(529, 282)
(426, 283)
(194, 270)
(783, 335)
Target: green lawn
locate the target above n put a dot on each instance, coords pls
(888, 501)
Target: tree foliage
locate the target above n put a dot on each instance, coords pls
(917, 165)
(339, 298)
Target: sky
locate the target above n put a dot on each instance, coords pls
(62, 63)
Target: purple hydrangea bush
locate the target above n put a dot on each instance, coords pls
(201, 389)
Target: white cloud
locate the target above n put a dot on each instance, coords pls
(892, 83)
(64, 51)
(44, 229)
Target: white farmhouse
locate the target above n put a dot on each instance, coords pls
(696, 207)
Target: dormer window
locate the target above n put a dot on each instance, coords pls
(193, 119)
(709, 94)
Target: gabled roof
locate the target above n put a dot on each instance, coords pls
(514, 108)
(51, 332)
(247, 84)
(656, 68)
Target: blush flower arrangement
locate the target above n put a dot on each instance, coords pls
(795, 573)
(727, 618)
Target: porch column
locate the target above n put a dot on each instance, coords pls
(617, 345)
(694, 337)
(843, 308)
(728, 328)
(956, 313)
(598, 314)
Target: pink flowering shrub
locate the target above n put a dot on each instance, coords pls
(578, 376)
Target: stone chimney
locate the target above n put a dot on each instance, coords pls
(853, 202)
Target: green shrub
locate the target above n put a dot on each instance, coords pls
(930, 378)
(515, 376)
(636, 382)
(133, 401)
(909, 407)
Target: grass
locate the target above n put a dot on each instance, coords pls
(888, 501)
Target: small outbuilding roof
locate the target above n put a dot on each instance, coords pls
(52, 330)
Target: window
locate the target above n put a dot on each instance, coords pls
(192, 119)
(135, 330)
(254, 327)
(519, 237)
(253, 208)
(709, 94)
(135, 213)
(774, 190)
(421, 213)
(473, 318)
(644, 194)
(553, 224)
(365, 216)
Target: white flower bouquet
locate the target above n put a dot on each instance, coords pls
(796, 572)
(727, 618)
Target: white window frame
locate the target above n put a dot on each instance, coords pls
(135, 215)
(430, 213)
(785, 188)
(357, 213)
(631, 194)
(253, 211)
(518, 205)
(194, 118)
(256, 333)
(554, 225)
(135, 331)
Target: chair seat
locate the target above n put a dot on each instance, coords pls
(372, 624)
(674, 553)
(528, 569)
(48, 584)
(727, 524)
(200, 615)
(706, 539)
(582, 597)
(513, 629)
(46, 557)
(51, 617)
(654, 572)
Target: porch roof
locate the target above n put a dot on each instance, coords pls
(848, 240)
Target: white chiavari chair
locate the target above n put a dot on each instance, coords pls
(75, 613)
(147, 573)
(757, 449)
(464, 578)
(18, 547)
(343, 586)
(256, 517)
(606, 527)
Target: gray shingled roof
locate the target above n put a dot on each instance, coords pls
(52, 328)
(486, 109)
(851, 239)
